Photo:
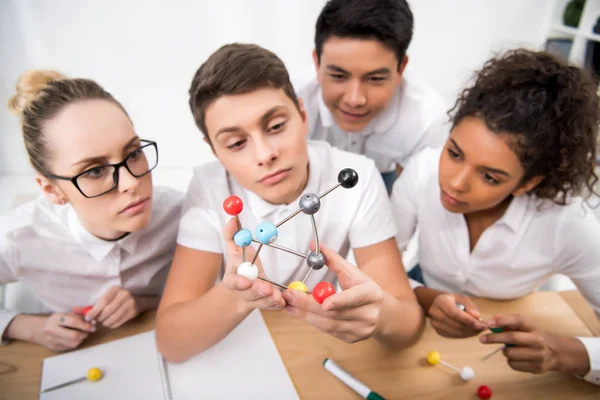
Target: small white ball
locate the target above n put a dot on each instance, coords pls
(248, 270)
(467, 373)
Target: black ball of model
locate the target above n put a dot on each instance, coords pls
(348, 178)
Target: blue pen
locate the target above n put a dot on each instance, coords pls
(351, 381)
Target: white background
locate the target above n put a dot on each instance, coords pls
(146, 52)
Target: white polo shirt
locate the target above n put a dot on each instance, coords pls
(348, 218)
(512, 258)
(415, 118)
(45, 247)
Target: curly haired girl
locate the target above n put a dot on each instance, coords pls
(501, 207)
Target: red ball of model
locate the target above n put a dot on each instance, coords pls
(86, 310)
(321, 291)
(233, 205)
(484, 392)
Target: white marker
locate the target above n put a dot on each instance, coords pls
(351, 381)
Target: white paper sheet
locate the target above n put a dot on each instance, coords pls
(244, 365)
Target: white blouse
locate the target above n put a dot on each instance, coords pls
(45, 247)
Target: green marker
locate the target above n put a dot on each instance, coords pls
(351, 381)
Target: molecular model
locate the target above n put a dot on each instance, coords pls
(466, 373)
(266, 233)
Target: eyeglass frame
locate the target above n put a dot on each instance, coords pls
(117, 166)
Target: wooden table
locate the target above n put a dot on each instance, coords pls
(395, 376)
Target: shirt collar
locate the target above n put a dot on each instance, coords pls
(380, 124)
(262, 208)
(96, 247)
(515, 213)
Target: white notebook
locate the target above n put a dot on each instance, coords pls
(244, 365)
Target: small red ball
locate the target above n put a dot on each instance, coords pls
(86, 310)
(484, 392)
(321, 291)
(233, 205)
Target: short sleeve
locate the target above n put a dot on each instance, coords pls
(199, 227)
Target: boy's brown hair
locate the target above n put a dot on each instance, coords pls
(236, 69)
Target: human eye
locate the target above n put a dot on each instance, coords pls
(278, 127)
(489, 179)
(135, 155)
(453, 154)
(237, 145)
(96, 172)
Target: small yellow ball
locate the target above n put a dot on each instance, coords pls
(433, 357)
(94, 374)
(297, 285)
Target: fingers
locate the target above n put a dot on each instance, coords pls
(345, 271)
(523, 354)
(524, 339)
(346, 330)
(470, 307)
(447, 305)
(122, 298)
(452, 329)
(73, 321)
(354, 297)
(62, 338)
(123, 313)
(512, 322)
(102, 302)
(228, 231)
(526, 366)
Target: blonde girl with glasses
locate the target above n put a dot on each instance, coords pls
(100, 236)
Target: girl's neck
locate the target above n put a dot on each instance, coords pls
(479, 221)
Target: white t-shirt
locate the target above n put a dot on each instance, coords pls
(415, 118)
(45, 247)
(348, 218)
(512, 258)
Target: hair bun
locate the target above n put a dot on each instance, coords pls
(29, 86)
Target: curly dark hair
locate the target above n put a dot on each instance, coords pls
(553, 111)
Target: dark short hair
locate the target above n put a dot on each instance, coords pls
(236, 69)
(387, 21)
(552, 110)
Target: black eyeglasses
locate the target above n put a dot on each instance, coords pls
(102, 179)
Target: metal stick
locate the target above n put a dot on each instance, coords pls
(306, 277)
(449, 365)
(64, 384)
(239, 225)
(314, 225)
(492, 353)
(288, 218)
(329, 191)
(278, 247)
(273, 283)
(256, 255)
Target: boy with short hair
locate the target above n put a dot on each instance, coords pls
(363, 99)
(243, 102)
